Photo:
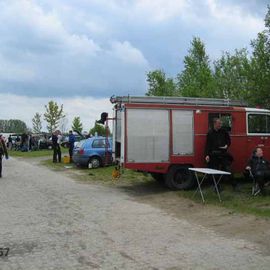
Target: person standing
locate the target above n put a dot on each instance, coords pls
(71, 141)
(217, 143)
(30, 142)
(59, 139)
(3, 151)
(17, 143)
(54, 146)
(10, 144)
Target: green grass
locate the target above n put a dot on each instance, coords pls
(240, 202)
(100, 175)
(34, 154)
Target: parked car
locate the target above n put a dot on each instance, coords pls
(93, 152)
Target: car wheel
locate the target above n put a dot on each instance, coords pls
(179, 178)
(94, 163)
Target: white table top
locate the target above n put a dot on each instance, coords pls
(209, 171)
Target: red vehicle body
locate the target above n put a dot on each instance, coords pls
(165, 136)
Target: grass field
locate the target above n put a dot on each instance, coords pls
(241, 202)
(100, 175)
(34, 154)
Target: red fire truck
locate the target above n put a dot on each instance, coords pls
(166, 135)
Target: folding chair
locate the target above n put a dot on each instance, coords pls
(255, 187)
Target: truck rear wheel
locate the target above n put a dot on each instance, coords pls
(179, 178)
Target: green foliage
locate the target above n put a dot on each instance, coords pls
(36, 121)
(77, 124)
(100, 130)
(13, 126)
(53, 115)
(259, 83)
(196, 79)
(159, 85)
(238, 75)
(231, 75)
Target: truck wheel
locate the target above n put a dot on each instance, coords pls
(94, 163)
(179, 178)
(159, 177)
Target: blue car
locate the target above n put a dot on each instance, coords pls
(93, 152)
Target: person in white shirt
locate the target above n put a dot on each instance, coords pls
(59, 139)
(56, 142)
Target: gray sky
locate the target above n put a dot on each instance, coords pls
(80, 52)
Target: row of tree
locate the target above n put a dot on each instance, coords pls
(239, 75)
(13, 125)
(55, 119)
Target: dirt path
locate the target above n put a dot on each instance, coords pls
(220, 220)
(50, 221)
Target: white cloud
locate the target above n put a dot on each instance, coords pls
(40, 54)
(24, 108)
(160, 10)
(15, 71)
(127, 53)
(42, 28)
(234, 16)
(105, 47)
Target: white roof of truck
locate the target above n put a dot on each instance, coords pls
(257, 110)
(178, 100)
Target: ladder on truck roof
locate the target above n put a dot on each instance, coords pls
(178, 100)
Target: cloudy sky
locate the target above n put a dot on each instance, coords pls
(81, 52)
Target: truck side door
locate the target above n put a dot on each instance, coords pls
(258, 132)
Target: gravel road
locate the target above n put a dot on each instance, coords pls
(50, 221)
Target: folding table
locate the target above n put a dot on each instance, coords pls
(205, 172)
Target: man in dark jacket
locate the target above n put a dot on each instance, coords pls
(55, 146)
(217, 143)
(260, 168)
(71, 141)
(3, 151)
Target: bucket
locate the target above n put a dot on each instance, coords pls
(66, 159)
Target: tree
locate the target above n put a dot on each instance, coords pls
(53, 115)
(196, 79)
(3, 125)
(259, 84)
(36, 121)
(77, 124)
(100, 130)
(159, 85)
(13, 126)
(231, 75)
